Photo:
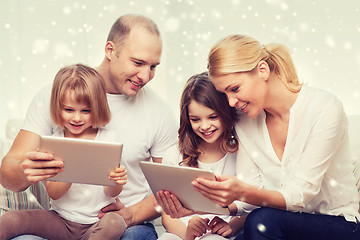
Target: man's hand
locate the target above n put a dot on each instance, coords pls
(120, 209)
(38, 166)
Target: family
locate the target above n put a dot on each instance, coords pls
(279, 149)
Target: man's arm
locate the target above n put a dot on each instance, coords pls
(23, 165)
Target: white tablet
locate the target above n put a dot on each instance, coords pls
(85, 161)
(177, 180)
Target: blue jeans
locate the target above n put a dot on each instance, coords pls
(269, 223)
(145, 231)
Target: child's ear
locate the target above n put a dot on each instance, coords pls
(110, 50)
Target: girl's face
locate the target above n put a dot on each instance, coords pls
(205, 122)
(75, 116)
(245, 91)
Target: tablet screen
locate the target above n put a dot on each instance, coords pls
(85, 161)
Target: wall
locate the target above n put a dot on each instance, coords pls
(38, 37)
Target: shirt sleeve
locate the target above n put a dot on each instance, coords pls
(246, 171)
(166, 133)
(327, 134)
(38, 118)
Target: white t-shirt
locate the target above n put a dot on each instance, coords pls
(143, 123)
(315, 173)
(225, 166)
(83, 202)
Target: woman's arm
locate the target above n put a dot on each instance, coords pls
(57, 189)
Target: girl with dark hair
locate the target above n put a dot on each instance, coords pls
(206, 141)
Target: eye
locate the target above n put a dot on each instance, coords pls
(213, 117)
(194, 120)
(68, 109)
(153, 67)
(86, 111)
(235, 89)
(137, 63)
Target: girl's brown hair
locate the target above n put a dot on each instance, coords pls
(88, 87)
(200, 89)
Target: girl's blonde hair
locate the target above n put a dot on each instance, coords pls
(240, 53)
(88, 87)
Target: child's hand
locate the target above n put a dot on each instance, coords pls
(197, 227)
(119, 175)
(220, 227)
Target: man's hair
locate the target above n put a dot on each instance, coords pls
(87, 86)
(123, 25)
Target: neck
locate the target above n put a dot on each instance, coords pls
(280, 99)
(103, 70)
(211, 152)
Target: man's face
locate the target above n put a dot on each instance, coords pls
(133, 64)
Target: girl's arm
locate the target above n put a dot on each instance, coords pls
(119, 175)
(174, 225)
(56, 190)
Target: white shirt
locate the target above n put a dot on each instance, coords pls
(82, 202)
(315, 173)
(224, 166)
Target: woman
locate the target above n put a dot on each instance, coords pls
(293, 163)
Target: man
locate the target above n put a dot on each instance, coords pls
(142, 122)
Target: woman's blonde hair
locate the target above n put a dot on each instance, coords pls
(88, 87)
(240, 53)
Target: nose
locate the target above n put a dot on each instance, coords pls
(232, 101)
(145, 74)
(205, 125)
(77, 116)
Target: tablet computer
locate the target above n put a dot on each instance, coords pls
(177, 180)
(85, 161)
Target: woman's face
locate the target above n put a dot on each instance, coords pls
(205, 122)
(245, 91)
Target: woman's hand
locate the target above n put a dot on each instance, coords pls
(171, 205)
(223, 191)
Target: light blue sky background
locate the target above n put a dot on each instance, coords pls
(38, 37)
